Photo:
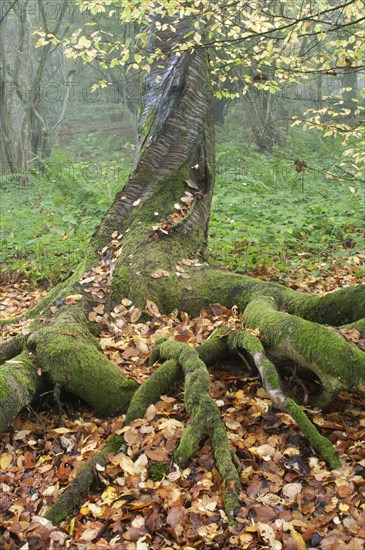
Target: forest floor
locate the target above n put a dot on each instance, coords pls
(141, 500)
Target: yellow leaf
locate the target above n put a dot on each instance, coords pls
(40, 42)
(45, 458)
(62, 430)
(109, 495)
(197, 38)
(72, 527)
(84, 42)
(5, 460)
(126, 464)
(298, 539)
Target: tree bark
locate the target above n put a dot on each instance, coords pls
(158, 219)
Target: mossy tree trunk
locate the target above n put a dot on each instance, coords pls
(159, 218)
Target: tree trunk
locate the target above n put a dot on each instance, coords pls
(24, 127)
(157, 220)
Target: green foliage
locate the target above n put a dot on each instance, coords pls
(265, 213)
(47, 223)
(267, 46)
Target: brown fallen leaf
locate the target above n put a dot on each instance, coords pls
(159, 454)
(152, 308)
(73, 298)
(159, 273)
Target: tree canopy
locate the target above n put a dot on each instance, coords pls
(259, 44)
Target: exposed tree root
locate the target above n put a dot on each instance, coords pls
(69, 355)
(149, 392)
(339, 364)
(63, 349)
(78, 489)
(145, 258)
(206, 420)
(19, 383)
(241, 340)
(10, 348)
(152, 389)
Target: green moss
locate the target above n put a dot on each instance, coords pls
(146, 129)
(216, 348)
(189, 443)
(152, 389)
(11, 347)
(359, 325)
(69, 354)
(19, 383)
(336, 308)
(321, 444)
(119, 287)
(272, 378)
(231, 504)
(158, 471)
(339, 364)
(130, 384)
(206, 419)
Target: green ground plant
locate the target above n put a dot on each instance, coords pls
(288, 219)
(47, 223)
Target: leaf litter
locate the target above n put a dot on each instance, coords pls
(289, 499)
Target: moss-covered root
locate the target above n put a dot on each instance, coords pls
(69, 355)
(77, 491)
(320, 443)
(152, 389)
(19, 383)
(359, 325)
(336, 308)
(206, 420)
(10, 348)
(147, 393)
(240, 340)
(339, 364)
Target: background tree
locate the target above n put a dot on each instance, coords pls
(35, 84)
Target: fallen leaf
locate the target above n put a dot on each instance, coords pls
(73, 298)
(159, 273)
(89, 534)
(5, 460)
(158, 455)
(292, 490)
(152, 308)
(192, 184)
